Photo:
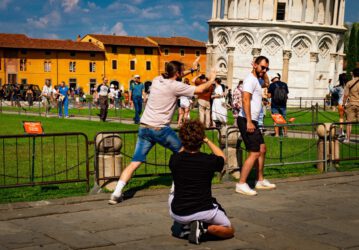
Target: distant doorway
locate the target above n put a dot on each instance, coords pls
(11, 78)
(116, 84)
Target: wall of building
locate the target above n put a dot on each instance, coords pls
(34, 70)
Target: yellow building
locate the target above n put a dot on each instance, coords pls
(127, 56)
(35, 61)
(83, 63)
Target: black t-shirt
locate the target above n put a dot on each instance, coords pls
(192, 175)
(272, 88)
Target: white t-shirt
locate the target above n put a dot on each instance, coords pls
(162, 101)
(46, 91)
(252, 86)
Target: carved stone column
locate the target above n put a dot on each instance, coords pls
(342, 9)
(313, 66)
(214, 9)
(211, 60)
(247, 15)
(219, 6)
(287, 54)
(332, 73)
(256, 52)
(236, 9)
(275, 7)
(316, 7)
(335, 15)
(225, 15)
(327, 13)
(230, 52)
(289, 15)
(260, 9)
(304, 10)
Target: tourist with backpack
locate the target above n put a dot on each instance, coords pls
(278, 92)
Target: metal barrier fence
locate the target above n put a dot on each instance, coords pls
(299, 147)
(114, 150)
(28, 160)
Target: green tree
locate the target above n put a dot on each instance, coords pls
(352, 52)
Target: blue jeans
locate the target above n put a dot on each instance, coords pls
(148, 137)
(279, 110)
(65, 104)
(137, 102)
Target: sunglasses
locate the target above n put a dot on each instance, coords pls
(264, 68)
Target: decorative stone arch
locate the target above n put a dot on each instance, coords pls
(326, 45)
(221, 65)
(244, 41)
(302, 44)
(222, 39)
(272, 42)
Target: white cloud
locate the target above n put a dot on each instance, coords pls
(118, 29)
(126, 8)
(70, 5)
(51, 36)
(91, 5)
(51, 19)
(197, 26)
(175, 9)
(4, 4)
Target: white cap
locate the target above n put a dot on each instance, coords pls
(273, 75)
(112, 86)
(136, 76)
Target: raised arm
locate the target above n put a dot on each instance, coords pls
(215, 149)
(201, 88)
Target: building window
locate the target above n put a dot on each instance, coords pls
(24, 81)
(73, 54)
(198, 53)
(114, 49)
(167, 51)
(182, 52)
(92, 66)
(23, 64)
(92, 54)
(148, 51)
(72, 66)
(132, 50)
(72, 83)
(47, 53)
(148, 65)
(132, 65)
(92, 85)
(47, 66)
(114, 64)
(281, 11)
(24, 51)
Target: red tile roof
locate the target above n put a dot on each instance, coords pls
(177, 41)
(123, 40)
(20, 41)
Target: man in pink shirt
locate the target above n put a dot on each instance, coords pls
(155, 121)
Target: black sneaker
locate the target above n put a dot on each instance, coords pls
(196, 229)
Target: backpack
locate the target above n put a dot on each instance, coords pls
(280, 95)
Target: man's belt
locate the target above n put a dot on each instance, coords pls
(151, 127)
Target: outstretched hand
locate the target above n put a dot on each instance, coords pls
(195, 63)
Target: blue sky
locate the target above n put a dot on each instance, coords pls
(65, 19)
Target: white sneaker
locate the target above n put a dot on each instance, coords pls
(245, 189)
(265, 184)
(115, 199)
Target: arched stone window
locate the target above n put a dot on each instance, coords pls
(244, 43)
(272, 44)
(324, 47)
(222, 66)
(301, 46)
(222, 41)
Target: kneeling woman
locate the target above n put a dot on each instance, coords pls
(191, 202)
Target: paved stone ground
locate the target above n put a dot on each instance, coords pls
(315, 212)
